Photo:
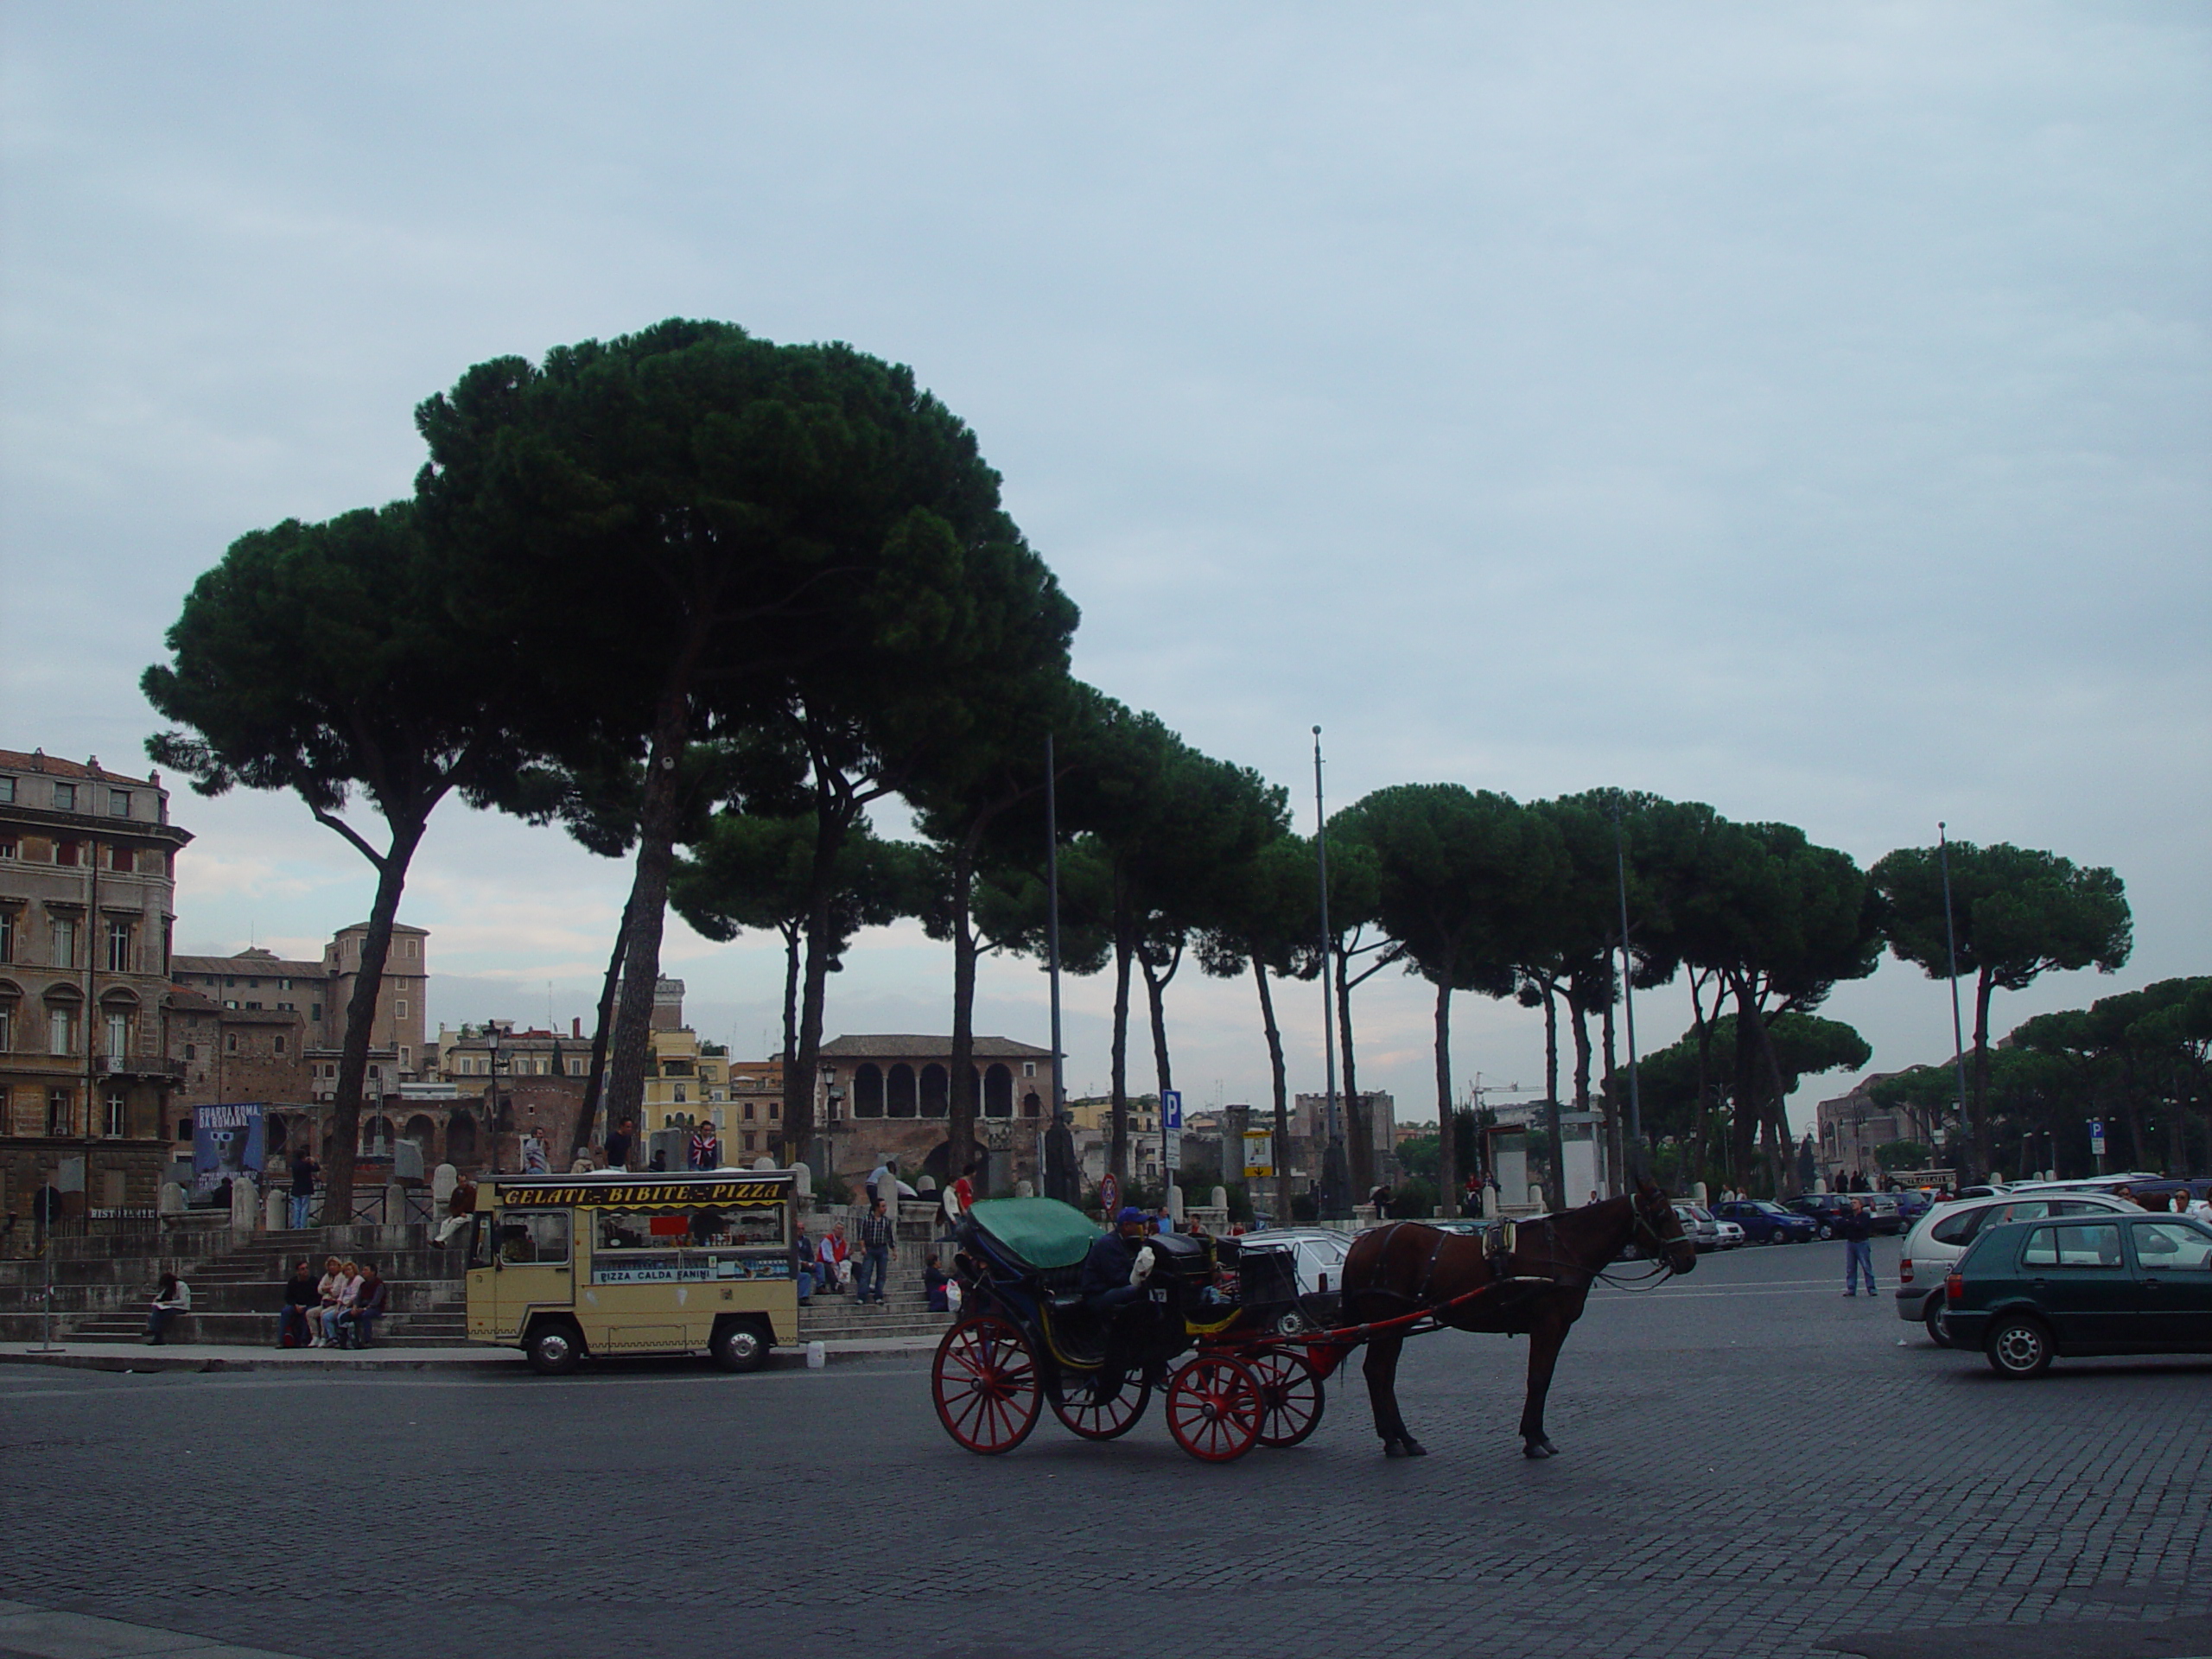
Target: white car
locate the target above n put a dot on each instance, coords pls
(1318, 1254)
(1731, 1235)
(1939, 1238)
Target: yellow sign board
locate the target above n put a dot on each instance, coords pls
(1259, 1155)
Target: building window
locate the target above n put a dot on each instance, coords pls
(60, 1039)
(576, 1068)
(192, 1051)
(7, 849)
(680, 1095)
(280, 1042)
(7, 792)
(184, 1129)
(118, 946)
(62, 951)
(119, 1035)
(314, 1011)
(7, 935)
(65, 798)
(749, 1111)
(399, 1009)
(118, 1114)
(1029, 1068)
(231, 1043)
(119, 803)
(65, 852)
(406, 1056)
(60, 1104)
(7, 1026)
(748, 1141)
(775, 1110)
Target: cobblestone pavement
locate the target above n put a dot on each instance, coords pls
(1750, 1465)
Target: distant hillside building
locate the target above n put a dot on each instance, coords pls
(889, 1096)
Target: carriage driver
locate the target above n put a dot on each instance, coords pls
(1114, 1271)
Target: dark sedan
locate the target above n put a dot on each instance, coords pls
(1765, 1222)
(2113, 1284)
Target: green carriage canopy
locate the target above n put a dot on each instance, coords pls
(1042, 1232)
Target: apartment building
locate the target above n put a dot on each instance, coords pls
(88, 905)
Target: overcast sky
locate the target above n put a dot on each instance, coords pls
(1802, 408)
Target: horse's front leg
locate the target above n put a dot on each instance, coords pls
(1381, 1370)
(1545, 1341)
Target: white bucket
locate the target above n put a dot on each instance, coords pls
(817, 1356)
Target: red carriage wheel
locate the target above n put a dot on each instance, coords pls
(1292, 1391)
(1104, 1419)
(984, 1379)
(1214, 1409)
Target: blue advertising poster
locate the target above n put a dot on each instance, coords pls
(226, 1142)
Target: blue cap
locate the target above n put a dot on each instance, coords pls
(1130, 1212)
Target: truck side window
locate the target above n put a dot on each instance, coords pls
(533, 1236)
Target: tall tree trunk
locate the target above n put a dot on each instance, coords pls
(1747, 1096)
(360, 1018)
(1983, 1150)
(1704, 1131)
(1281, 1079)
(1578, 1020)
(1155, 995)
(588, 1119)
(831, 820)
(1551, 1039)
(792, 933)
(646, 911)
(1447, 1138)
(1778, 1095)
(960, 1127)
(1118, 1079)
(1357, 1115)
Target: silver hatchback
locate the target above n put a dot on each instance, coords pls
(1939, 1238)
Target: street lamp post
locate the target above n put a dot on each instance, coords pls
(492, 1097)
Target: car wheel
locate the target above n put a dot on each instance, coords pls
(2020, 1347)
(1827, 1232)
(554, 1349)
(1932, 1319)
(740, 1346)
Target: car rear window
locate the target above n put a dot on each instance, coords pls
(2072, 1247)
(1959, 1229)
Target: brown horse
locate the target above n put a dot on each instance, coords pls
(1536, 1290)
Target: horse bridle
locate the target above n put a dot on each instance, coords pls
(1660, 1269)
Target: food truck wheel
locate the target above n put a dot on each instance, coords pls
(554, 1346)
(741, 1345)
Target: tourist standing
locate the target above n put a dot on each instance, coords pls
(619, 1142)
(1855, 1228)
(304, 1170)
(706, 1147)
(879, 1243)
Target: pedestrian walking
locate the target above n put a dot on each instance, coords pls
(619, 1142)
(171, 1296)
(301, 1298)
(879, 1243)
(304, 1170)
(534, 1159)
(883, 1182)
(804, 1256)
(1856, 1229)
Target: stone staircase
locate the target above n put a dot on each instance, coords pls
(903, 1312)
(236, 1291)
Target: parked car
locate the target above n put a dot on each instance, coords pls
(1912, 1205)
(1943, 1235)
(1699, 1226)
(2027, 1291)
(1731, 1235)
(1765, 1222)
(1824, 1209)
(1316, 1261)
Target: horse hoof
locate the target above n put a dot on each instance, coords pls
(1413, 1448)
(1539, 1449)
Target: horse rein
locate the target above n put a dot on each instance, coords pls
(1660, 1269)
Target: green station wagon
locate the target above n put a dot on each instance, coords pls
(2105, 1284)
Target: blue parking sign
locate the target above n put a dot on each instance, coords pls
(1171, 1108)
(2097, 1136)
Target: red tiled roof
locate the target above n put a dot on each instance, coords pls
(54, 766)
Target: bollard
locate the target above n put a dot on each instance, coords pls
(817, 1356)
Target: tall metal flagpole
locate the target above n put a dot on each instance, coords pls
(1628, 997)
(1053, 923)
(1335, 1203)
(1951, 943)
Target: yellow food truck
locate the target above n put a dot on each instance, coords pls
(572, 1267)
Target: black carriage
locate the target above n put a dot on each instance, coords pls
(1026, 1341)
